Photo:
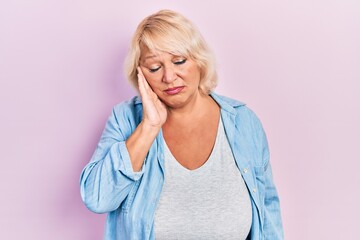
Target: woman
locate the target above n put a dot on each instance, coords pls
(181, 162)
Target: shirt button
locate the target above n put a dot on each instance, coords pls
(245, 170)
(254, 190)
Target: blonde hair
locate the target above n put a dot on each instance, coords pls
(169, 31)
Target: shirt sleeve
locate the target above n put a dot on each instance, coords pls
(272, 222)
(273, 228)
(108, 178)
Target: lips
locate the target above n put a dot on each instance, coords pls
(174, 90)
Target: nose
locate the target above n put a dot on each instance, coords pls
(169, 74)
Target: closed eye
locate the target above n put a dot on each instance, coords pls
(180, 62)
(154, 69)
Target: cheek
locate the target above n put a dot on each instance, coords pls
(192, 74)
(153, 82)
(151, 78)
(193, 69)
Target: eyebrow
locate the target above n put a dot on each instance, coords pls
(148, 57)
(151, 56)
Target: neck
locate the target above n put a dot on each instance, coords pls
(195, 108)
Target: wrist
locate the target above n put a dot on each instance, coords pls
(149, 128)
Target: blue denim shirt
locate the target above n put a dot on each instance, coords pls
(109, 184)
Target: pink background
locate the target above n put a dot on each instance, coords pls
(295, 63)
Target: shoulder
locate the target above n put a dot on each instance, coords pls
(244, 116)
(234, 106)
(130, 109)
(127, 104)
(224, 101)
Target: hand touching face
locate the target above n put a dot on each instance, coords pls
(174, 79)
(154, 111)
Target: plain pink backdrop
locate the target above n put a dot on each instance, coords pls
(295, 63)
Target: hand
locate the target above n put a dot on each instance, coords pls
(154, 111)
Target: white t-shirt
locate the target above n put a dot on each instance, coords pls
(210, 202)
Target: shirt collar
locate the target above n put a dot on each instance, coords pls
(227, 104)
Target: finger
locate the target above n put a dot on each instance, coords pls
(141, 80)
(145, 82)
(142, 89)
(139, 70)
(146, 86)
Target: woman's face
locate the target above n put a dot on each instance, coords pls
(174, 79)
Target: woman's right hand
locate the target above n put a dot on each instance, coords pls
(154, 116)
(154, 111)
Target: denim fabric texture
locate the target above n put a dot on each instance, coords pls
(109, 185)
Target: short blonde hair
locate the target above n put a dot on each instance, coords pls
(169, 31)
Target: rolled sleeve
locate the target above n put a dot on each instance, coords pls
(109, 176)
(126, 165)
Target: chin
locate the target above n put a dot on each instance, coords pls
(174, 102)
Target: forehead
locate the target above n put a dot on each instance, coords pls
(158, 46)
(147, 55)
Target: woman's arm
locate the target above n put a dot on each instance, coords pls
(154, 117)
(107, 179)
(272, 229)
(119, 157)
